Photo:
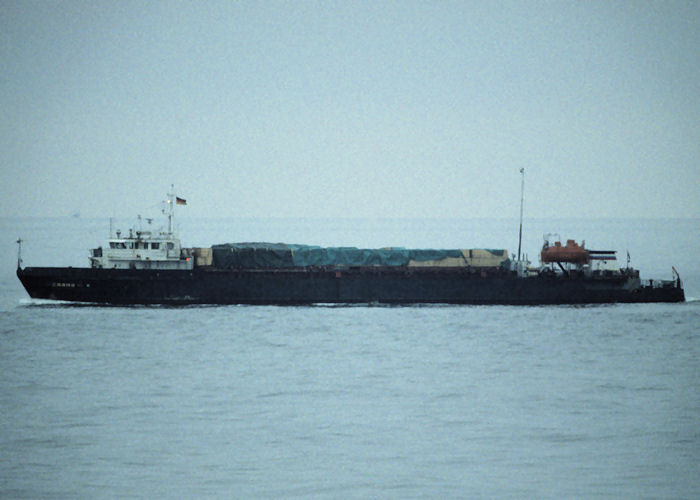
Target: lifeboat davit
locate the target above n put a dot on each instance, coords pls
(572, 252)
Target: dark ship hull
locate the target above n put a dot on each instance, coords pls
(384, 285)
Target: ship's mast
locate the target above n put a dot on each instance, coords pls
(522, 194)
(19, 253)
(171, 208)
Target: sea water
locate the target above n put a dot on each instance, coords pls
(352, 402)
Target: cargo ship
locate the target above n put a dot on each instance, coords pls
(151, 267)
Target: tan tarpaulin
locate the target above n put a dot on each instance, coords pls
(472, 257)
(202, 256)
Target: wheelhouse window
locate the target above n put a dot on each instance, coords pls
(155, 246)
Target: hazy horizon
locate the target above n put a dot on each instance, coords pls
(351, 109)
(157, 217)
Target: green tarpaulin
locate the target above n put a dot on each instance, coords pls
(282, 255)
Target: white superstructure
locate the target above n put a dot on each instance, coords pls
(145, 249)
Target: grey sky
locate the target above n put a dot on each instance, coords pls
(351, 108)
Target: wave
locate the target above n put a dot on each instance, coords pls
(50, 303)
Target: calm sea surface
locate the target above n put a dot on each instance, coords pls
(352, 402)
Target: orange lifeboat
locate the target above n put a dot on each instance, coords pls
(572, 253)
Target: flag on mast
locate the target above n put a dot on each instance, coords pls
(180, 201)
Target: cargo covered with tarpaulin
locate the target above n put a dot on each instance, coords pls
(282, 255)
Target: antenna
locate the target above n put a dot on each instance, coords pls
(522, 196)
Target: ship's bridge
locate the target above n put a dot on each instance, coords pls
(142, 250)
(145, 249)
